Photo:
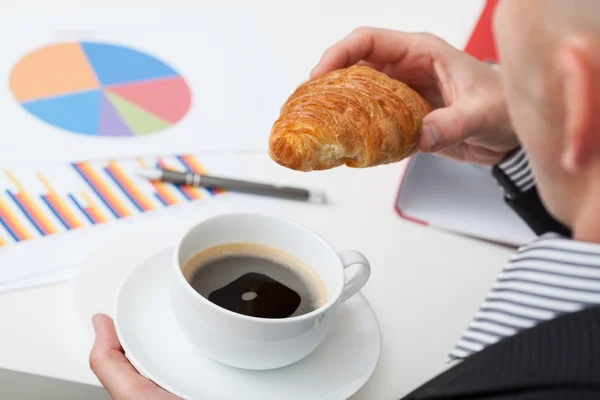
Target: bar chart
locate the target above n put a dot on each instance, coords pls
(36, 203)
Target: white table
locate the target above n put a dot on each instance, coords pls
(426, 284)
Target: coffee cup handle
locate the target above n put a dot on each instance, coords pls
(357, 278)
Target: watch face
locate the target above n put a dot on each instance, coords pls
(509, 188)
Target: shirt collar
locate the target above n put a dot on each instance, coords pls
(555, 247)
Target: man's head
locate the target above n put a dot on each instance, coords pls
(550, 57)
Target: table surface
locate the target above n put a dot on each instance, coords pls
(425, 285)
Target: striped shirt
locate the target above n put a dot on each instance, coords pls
(549, 277)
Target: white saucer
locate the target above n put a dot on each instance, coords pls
(150, 335)
(98, 277)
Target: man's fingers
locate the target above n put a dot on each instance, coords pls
(106, 335)
(109, 363)
(472, 154)
(446, 126)
(378, 67)
(377, 46)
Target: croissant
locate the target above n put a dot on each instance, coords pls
(355, 116)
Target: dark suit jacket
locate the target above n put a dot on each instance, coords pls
(558, 359)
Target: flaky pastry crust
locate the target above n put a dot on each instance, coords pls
(355, 116)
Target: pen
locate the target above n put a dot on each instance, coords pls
(234, 185)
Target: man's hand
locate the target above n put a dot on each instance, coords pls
(470, 119)
(114, 371)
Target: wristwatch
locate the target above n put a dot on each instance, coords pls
(514, 176)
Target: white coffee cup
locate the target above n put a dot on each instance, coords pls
(259, 343)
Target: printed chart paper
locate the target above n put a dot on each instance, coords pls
(40, 204)
(117, 83)
(48, 215)
(99, 89)
(60, 275)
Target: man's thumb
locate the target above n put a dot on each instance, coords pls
(442, 128)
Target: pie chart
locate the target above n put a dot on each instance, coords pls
(100, 89)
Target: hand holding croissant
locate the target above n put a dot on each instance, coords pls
(355, 116)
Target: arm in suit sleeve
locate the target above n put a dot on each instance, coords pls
(515, 176)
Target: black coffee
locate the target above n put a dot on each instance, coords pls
(255, 280)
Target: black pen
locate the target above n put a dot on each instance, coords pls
(233, 185)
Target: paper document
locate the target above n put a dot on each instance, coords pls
(113, 83)
(48, 215)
